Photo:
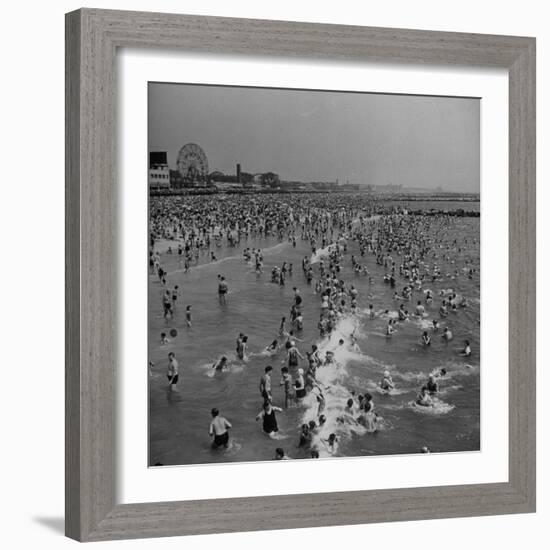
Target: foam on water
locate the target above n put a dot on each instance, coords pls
(373, 387)
(233, 365)
(332, 377)
(423, 324)
(322, 253)
(439, 407)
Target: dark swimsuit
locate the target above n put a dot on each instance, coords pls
(432, 388)
(292, 358)
(222, 439)
(270, 423)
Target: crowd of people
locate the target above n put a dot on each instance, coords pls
(341, 231)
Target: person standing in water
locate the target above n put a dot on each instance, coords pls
(218, 430)
(286, 381)
(467, 351)
(222, 289)
(269, 420)
(241, 346)
(167, 304)
(447, 334)
(390, 330)
(299, 385)
(265, 384)
(293, 354)
(173, 371)
(387, 383)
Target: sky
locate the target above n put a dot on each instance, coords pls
(305, 135)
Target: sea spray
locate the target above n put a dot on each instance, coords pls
(332, 378)
(322, 253)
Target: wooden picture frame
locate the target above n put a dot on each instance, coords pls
(92, 39)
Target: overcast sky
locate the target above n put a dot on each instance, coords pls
(416, 141)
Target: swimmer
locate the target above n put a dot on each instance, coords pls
(219, 427)
(167, 304)
(432, 385)
(293, 354)
(175, 294)
(370, 421)
(424, 399)
(368, 403)
(372, 314)
(390, 330)
(220, 364)
(222, 290)
(241, 346)
(386, 384)
(163, 339)
(447, 334)
(188, 315)
(265, 384)
(282, 327)
(331, 443)
(305, 436)
(273, 348)
(173, 371)
(299, 385)
(286, 381)
(426, 339)
(280, 454)
(467, 351)
(348, 414)
(269, 420)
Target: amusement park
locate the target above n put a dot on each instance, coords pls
(191, 176)
(192, 173)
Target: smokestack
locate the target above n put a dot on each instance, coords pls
(239, 173)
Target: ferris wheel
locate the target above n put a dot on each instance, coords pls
(192, 163)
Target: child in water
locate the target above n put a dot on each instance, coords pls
(273, 348)
(425, 339)
(467, 351)
(424, 399)
(331, 443)
(220, 364)
(386, 383)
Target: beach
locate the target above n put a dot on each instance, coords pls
(254, 305)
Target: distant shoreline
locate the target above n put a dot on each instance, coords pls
(436, 196)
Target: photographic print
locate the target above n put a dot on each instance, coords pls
(313, 274)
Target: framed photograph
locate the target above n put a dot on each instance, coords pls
(300, 276)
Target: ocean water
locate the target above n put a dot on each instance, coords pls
(178, 422)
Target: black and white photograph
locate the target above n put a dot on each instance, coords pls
(313, 274)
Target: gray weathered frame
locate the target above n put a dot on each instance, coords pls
(92, 38)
